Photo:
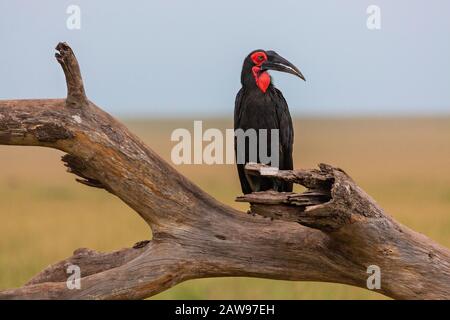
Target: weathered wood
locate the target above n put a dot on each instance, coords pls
(340, 230)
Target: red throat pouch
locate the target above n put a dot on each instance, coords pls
(262, 79)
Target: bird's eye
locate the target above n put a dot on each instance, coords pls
(258, 58)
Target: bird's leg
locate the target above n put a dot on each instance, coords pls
(255, 183)
(276, 185)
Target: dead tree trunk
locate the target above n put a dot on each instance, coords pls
(331, 233)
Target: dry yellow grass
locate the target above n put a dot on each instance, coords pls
(403, 163)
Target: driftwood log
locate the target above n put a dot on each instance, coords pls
(332, 232)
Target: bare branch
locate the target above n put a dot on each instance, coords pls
(332, 232)
(76, 97)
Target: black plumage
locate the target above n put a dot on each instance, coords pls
(259, 105)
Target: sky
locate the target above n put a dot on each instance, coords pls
(178, 58)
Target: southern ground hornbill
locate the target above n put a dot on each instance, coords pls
(259, 105)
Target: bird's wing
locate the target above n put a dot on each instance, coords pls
(286, 136)
(237, 108)
(284, 121)
(245, 185)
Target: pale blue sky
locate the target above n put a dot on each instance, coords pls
(183, 58)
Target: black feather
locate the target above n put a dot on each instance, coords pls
(258, 110)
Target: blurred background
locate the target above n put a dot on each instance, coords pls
(376, 103)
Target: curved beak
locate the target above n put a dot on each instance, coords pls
(278, 63)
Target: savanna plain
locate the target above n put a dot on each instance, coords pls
(403, 163)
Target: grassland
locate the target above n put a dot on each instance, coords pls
(44, 215)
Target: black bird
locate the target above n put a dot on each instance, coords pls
(259, 105)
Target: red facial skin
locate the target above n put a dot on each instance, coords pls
(262, 78)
